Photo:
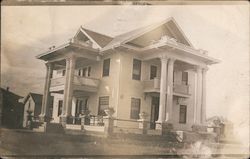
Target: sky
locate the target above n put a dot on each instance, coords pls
(222, 30)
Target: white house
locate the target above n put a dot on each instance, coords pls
(154, 69)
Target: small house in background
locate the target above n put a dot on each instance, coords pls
(33, 103)
(11, 109)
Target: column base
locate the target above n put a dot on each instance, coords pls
(158, 125)
(63, 120)
(42, 118)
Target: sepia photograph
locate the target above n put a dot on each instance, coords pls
(125, 81)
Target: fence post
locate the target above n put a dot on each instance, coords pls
(109, 122)
(82, 122)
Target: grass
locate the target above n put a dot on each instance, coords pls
(14, 142)
(27, 144)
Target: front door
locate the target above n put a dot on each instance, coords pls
(154, 111)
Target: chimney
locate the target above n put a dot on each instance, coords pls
(7, 88)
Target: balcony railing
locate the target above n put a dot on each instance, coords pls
(87, 81)
(180, 88)
(58, 83)
(154, 86)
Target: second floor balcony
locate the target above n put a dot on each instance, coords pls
(154, 86)
(79, 83)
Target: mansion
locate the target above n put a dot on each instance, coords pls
(153, 70)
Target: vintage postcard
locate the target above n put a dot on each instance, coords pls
(133, 80)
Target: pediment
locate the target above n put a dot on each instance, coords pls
(152, 35)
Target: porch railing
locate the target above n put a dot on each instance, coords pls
(91, 120)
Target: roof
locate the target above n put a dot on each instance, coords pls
(37, 98)
(99, 43)
(101, 40)
(140, 31)
(10, 97)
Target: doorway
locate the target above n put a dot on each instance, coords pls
(154, 111)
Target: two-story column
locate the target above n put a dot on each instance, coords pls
(163, 86)
(203, 107)
(68, 89)
(170, 83)
(198, 95)
(46, 94)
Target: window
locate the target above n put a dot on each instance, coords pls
(136, 74)
(105, 68)
(185, 78)
(60, 105)
(173, 76)
(63, 72)
(153, 71)
(183, 114)
(89, 70)
(103, 104)
(81, 106)
(135, 108)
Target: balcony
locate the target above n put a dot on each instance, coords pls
(154, 86)
(80, 83)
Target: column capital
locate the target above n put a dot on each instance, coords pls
(71, 57)
(171, 60)
(49, 64)
(205, 69)
(163, 58)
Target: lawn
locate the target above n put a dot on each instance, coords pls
(27, 144)
(17, 142)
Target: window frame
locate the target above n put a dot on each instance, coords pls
(104, 73)
(185, 114)
(150, 72)
(131, 108)
(102, 112)
(60, 106)
(184, 81)
(135, 76)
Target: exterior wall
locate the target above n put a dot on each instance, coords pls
(26, 107)
(109, 85)
(189, 102)
(130, 88)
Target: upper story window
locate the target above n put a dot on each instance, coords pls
(135, 108)
(183, 114)
(185, 78)
(106, 67)
(136, 74)
(153, 71)
(84, 72)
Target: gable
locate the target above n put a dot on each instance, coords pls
(91, 38)
(169, 29)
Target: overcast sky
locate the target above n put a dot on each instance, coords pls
(222, 30)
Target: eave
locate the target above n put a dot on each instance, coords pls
(57, 50)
